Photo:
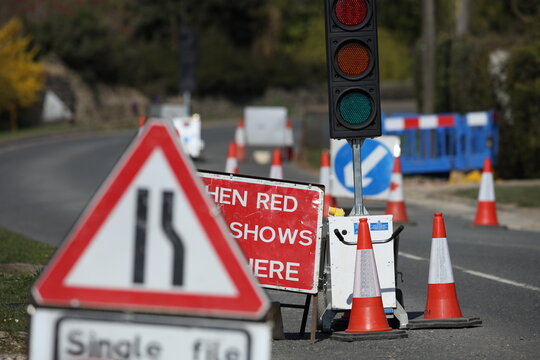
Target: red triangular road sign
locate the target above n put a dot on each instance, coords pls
(150, 240)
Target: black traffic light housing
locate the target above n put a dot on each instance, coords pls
(188, 60)
(353, 69)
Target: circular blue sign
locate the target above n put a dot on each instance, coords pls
(379, 160)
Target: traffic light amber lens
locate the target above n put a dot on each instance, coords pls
(351, 12)
(355, 108)
(353, 59)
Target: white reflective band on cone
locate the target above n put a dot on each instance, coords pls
(324, 177)
(276, 172)
(366, 282)
(397, 193)
(487, 192)
(289, 141)
(239, 137)
(440, 266)
(231, 165)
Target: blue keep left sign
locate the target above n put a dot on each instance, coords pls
(377, 164)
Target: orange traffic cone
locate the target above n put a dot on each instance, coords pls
(276, 171)
(396, 203)
(142, 121)
(442, 302)
(231, 166)
(486, 212)
(367, 313)
(240, 139)
(289, 140)
(442, 305)
(367, 319)
(324, 179)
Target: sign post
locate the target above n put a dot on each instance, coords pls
(358, 208)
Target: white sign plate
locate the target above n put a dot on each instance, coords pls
(265, 125)
(78, 335)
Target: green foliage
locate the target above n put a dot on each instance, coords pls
(226, 68)
(245, 46)
(402, 18)
(15, 248)
(520, 135)
(394, 57)
(15, 283)
(520, 195)
(504, 17)
(21, 76)
(463, 82)
(14, 293)
(86, 43)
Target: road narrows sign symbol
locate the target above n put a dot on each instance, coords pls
(150, 240)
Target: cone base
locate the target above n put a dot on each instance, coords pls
(367, 315)
(442, 302)
(398, 210)
(486, 214)
(458, 323)
(386, 335)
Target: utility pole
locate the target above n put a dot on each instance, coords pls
(428, 56)
(462, 17)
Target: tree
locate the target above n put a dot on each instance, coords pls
(21, 76)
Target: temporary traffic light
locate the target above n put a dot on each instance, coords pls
(188, 60)
(353, 69)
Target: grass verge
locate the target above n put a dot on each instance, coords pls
(63, 128)
(520, 195)
(20, 261)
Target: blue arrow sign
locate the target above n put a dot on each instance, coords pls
(377, 163)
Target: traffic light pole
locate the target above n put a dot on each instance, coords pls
(186, 95)
(358, 208)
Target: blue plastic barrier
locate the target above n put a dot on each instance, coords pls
(444, 142)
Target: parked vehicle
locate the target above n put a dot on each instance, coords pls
(188, 126)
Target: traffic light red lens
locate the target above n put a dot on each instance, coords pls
(351, 12)
(353, 59)
(355, 108)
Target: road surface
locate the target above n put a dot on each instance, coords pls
(46, 183)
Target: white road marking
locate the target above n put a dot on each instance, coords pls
(478, 273)
(411, 256)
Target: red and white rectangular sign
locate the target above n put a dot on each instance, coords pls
(277, 225)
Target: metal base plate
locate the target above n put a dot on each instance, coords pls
(385, 335)
(444, 323)
(340, 324)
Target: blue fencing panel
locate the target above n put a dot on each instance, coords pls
(443, 142)
(480, 139)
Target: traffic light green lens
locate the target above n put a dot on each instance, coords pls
(355, 108)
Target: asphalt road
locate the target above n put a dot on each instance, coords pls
(45, 184)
